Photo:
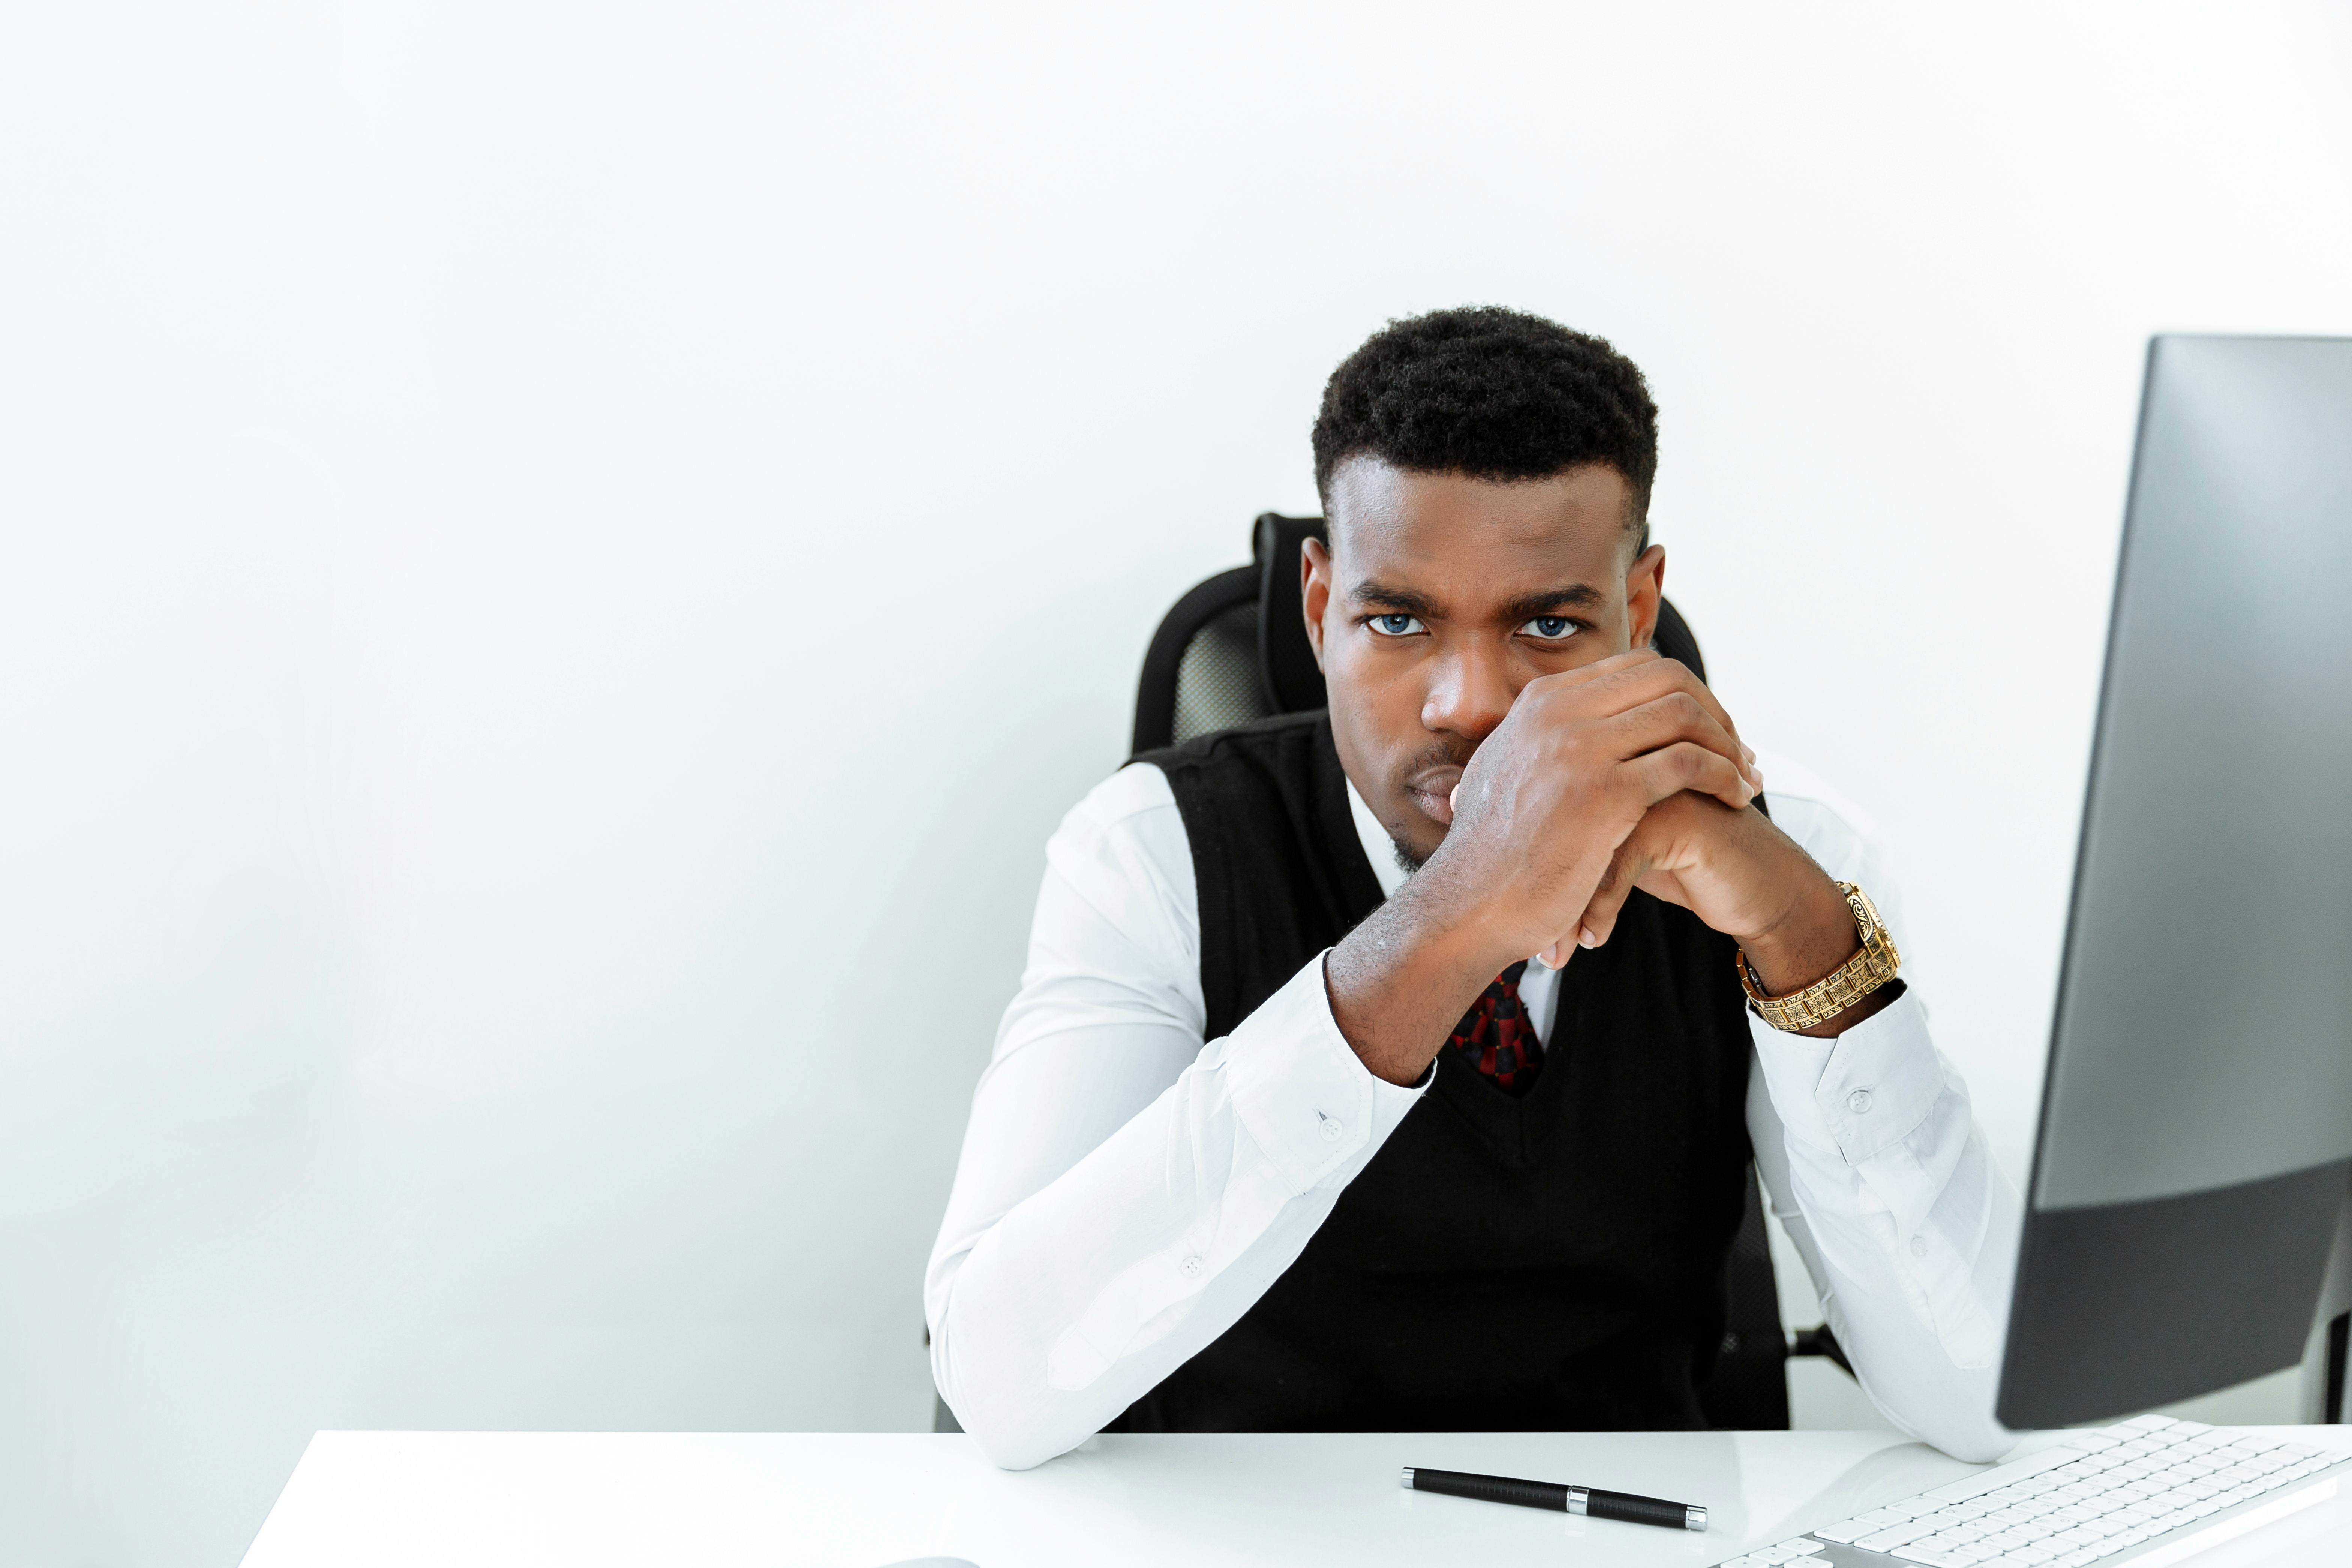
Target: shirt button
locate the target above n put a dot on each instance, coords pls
(1859, 1103)
(1191, 1267)
(1331, 1126)
(1919, 1247)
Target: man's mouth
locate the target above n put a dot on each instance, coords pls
(1432, 789)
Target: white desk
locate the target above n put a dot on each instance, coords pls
(593, 1500)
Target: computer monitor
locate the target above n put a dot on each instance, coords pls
(2196, 1135)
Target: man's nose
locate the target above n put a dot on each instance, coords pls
(1470, 692)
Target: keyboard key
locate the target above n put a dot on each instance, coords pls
(1888, 1540)
(2001, 1475)
(2096, 1494)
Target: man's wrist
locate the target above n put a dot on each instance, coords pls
(1813, 934)
(1812, 941)
(1398, 982)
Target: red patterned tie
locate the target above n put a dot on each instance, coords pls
(1497, 1037)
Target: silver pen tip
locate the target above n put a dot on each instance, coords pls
(1693, 1518)
(1405, 1480)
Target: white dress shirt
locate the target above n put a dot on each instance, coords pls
(1128, 1189)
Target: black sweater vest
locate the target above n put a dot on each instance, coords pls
(1550, 1262)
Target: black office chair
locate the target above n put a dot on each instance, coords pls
(1216, 661)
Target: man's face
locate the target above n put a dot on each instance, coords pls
(1440, 597)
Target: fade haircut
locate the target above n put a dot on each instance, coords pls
(1493, 394)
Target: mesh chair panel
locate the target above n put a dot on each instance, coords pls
(1217, 684)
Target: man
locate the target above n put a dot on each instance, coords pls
(1286, 1129)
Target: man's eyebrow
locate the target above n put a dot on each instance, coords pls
(1400, 601)
(1575, 596)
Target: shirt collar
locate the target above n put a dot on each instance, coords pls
(1379, 848)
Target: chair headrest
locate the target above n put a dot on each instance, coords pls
(1285, 659)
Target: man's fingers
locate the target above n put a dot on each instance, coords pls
(1686, 765)
(1625, 681)
(1603, 669)
(1599, 919)
(1677, 716)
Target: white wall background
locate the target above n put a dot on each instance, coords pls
(558, 563)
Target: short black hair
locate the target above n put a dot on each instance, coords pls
(1493, 393)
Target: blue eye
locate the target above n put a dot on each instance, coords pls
(1395, 625)
(1550, 628)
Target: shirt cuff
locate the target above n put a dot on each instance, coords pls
(1300, 1091)
(1858, 1093)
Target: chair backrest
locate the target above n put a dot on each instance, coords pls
(1235, 648)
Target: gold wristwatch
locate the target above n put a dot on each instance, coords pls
(1854, 978)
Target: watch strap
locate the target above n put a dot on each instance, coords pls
(1876, 964)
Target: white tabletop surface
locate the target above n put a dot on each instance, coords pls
(863, 1500)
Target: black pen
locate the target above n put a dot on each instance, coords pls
(1589, 1500)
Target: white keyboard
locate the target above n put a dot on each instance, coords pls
(2147, 1492)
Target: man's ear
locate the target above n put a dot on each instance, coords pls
(1315, 591)
(1645, 585)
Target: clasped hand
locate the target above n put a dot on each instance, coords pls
(1622, 773)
